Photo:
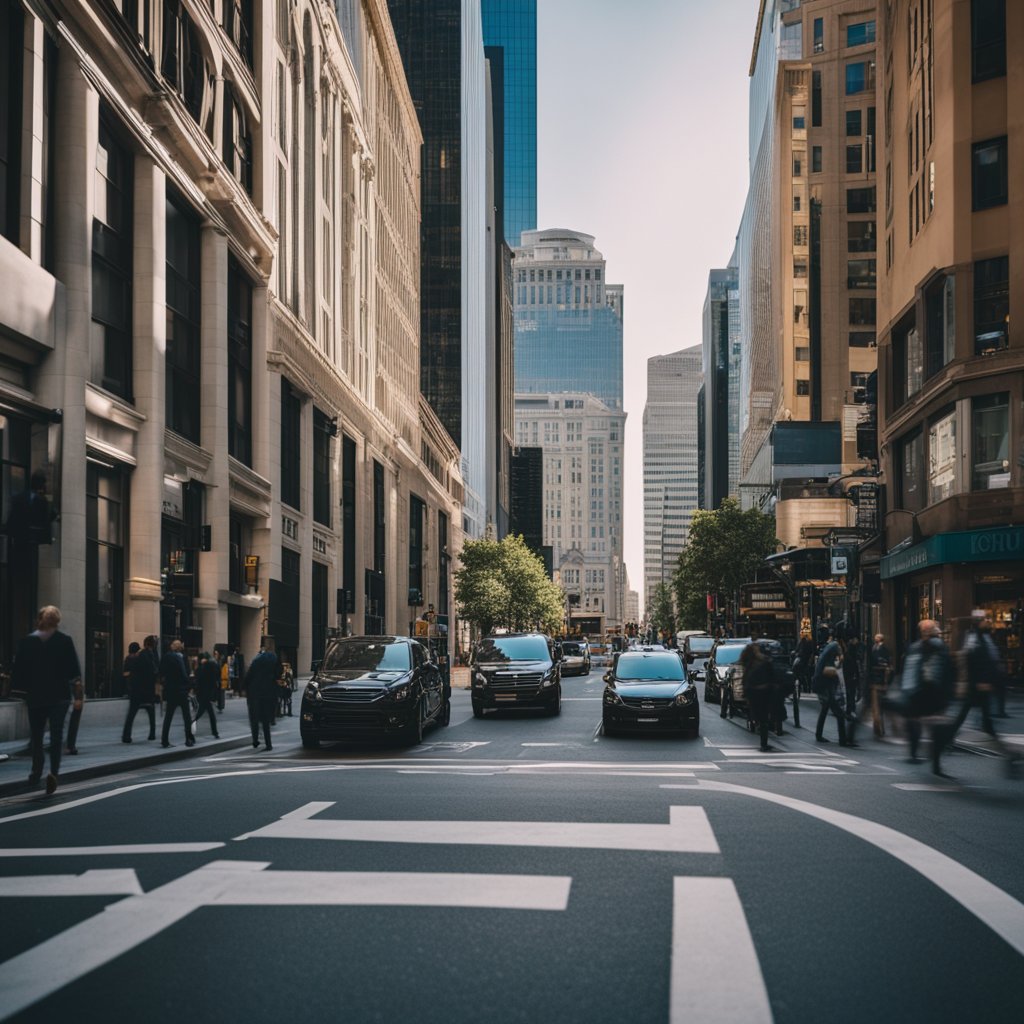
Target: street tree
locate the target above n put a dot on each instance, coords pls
(663, 613)
(723, 549)
(503, 585)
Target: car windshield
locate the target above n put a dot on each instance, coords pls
(512, 648)
(367, 656)
(702, 645)
(729, 654)
(572, 649)
(649, 666)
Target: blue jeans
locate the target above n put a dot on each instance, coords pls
(51, 715)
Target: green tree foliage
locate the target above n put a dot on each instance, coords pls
(663, 613)
(723, 550)
(503, 585)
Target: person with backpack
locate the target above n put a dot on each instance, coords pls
(826, 686)
(926, 687)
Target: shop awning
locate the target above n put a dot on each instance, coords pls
(998, 544)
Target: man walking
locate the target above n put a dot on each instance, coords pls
(174, 676)
(826, 686)
(927, 685)
(46, 667)
(261, 692)
(879, 672)
(141, 669)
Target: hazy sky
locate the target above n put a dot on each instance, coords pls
(642, 142)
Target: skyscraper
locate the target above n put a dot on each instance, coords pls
(720, 413)
(670, 461)
(511, 26)
(568, 319)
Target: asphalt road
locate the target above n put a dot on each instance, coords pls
(521, 868)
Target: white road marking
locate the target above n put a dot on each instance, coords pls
(924, 787)
(118, 882)
(754, 752)
(42, 970)
(548, 744)
(688, 831)
(103, 851)
(709, 929)
(990, 904)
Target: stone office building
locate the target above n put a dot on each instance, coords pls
(209, 328)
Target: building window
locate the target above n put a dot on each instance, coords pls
(104, 579)
(800, 235)
(860, 274)
(989, 177)
(319, 609)
(911, 472)
(940, 318)
(803, 354)
(861, 200)
(799, 268)
(184, 66)
(443, 564)
(182, 357)
(862, 311)
(859, 387)
(862, 339)
(860, 77)
(990, 442)
(991, 305)
(942, 457)
(799, 118)
(379, 519)
(236, 555)
(416, 510)
(291, 445)
(860, 236)
(803, 387)
(239, 364)
(816, 159)
(238, 23)
(853, 123)
(348, 520)
(12, 97)
(322, 429)
(854, 159)
(815, 99)
(112, 241)
(798, 162)
(988, 39)
(860, 33)
(819, 35)
(796, 201)
(237, 150)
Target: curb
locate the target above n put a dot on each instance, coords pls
(130, 764)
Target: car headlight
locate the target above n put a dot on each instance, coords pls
(688, 696)
(401, 692)
(312, 692)
(548, 679)
(479, 680)
(611, 697)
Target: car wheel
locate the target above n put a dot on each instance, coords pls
(446, 712)
(309, 740)
(414, 731)
(478, 709)
(556, 704)
(607, 728)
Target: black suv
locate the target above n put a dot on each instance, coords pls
(516, 670)
(374, 686)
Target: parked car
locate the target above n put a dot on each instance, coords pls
(373, 686)
(697, 650)
(734, 698)
(724, 656)
(515, 670)
(575, 657)
(648, 691)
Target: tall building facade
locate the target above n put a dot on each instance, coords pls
(582, 442)
(213, 366)
(510, 37)
(441, 43)
(719, 412)
(670, 461)
(568, 319)
(951, 354)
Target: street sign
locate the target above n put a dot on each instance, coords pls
(839, 564)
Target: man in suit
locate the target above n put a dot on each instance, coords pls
(176, 684)
(261, 692)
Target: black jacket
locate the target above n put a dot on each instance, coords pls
(208, 679)
(174, 674)
(142, 671)
(261, 679)
(45, 669)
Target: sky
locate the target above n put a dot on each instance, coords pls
(642, 142)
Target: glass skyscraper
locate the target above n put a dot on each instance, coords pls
(512, 25)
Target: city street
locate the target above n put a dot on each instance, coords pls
(521, 868)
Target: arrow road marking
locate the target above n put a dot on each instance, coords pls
(709, 929)
(42, 970)
(688, 831)
(117, 882)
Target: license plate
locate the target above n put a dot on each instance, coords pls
(504, 696)
(646, 719)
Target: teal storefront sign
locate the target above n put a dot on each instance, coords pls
(999, 544)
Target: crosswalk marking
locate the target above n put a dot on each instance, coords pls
(688, 831)
(98, 882)
(102, 851)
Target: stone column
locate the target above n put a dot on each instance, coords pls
(213, 564)
(306, 536)
(62, 378)
(142, 615)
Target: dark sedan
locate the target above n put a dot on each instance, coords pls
(648, 692)
(374, 686)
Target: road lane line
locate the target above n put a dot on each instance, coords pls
(924, 787)
(103, 851)
(987, 902)
(117, 882)
(688, 831)
(709, 930)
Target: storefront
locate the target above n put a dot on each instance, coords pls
(949, 575)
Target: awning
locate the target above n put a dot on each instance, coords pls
(998, 544)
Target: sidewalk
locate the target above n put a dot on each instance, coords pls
(101, 752)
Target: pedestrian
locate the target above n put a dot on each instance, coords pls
(852, 680)
(803, 661)
(879, 676)
(826, 686)
(926, 685)
(176, 685)
(759, 688)
(223, 679)
(984, 671)
(261, 692)
(286, 687)
(141, 668)
(46, 667)
(207, 685)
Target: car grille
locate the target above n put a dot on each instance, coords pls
(499, 683)
(648, 703)
(355, 719)
(354, 696)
